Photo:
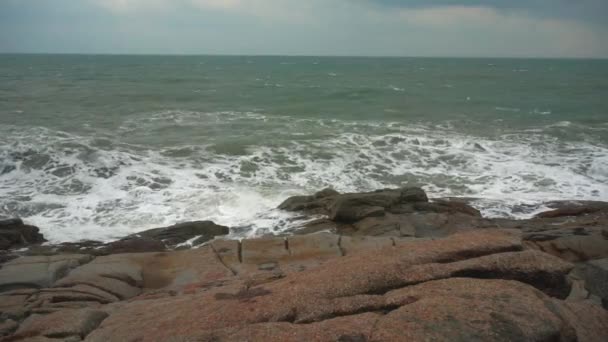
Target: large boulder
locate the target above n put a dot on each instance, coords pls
(15, 234)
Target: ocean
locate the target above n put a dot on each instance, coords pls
(98, 147)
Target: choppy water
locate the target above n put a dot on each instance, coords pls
(97, 147)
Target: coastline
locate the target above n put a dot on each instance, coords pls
(373, 262)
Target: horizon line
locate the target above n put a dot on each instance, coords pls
(294, 55)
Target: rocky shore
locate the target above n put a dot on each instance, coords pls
(389, 265)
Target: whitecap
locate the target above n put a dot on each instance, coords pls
(108, 192)
(561, 124)
(541, 112)
(507, 109)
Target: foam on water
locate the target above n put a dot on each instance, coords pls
(101, 187)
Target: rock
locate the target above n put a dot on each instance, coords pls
(413, 195)
(15, 234)
(134, 245)
(6, 256)
(573, 208)
(229, 252)
(115, 274)
(316, 226)
(575, 248)
(361, 244)
(263, 251)
(15, 304)
(38, 271)
(340, 287)
(78, 293)
(464, 309)
(131, 244)
(351, 207)
(479, 147)
(353, 328)
(8, 327)
(61, 324)
(466, 285)
(318, 247)
(521, 266)
(446, 206)
(188, 269)
(388, 212)
(353, 210)
(596, 279)
(180, 233)
(413, 292)
(315, 204)
(587, 319)
(386, 225)
(575, 239)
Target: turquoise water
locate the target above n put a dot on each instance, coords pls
(101, 146)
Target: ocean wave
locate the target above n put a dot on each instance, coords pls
(105, 186)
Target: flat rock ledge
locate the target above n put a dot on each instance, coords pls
(482, 284)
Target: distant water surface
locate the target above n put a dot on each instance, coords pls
(96, 147)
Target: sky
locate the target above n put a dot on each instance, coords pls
(443, 28)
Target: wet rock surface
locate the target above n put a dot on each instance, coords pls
(389, 265)
(573, 230)
(15, 234)
(172, 236)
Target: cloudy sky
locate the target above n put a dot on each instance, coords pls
(502, 28)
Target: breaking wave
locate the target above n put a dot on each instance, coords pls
(242, 165)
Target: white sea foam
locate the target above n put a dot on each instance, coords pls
(508, 109)
(561, 124)
(541, 112)
(77, 187)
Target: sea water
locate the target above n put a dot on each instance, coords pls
(97, 147)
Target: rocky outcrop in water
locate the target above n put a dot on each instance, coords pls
(182, 235)
(15, 234)
(394, 266)
(403, 212)
(574, 230)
